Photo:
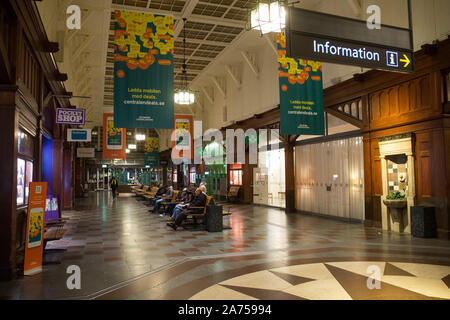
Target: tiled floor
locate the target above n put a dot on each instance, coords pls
(124, 252)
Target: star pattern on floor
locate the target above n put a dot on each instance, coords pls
(337, 281)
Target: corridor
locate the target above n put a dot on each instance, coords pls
(124, 252)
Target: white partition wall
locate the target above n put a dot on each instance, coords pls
(330, 178)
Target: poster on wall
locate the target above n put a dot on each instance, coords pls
(183, 136)
(151, 147)
(301, 94)
(35, 228)
(114, 145)
(143, 70)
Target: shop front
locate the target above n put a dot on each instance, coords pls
(269, 179)
(330, 178)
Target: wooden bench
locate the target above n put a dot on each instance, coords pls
(226, 210)
(54, 230)
(141, 191)
(233, 193)
(173, 200)
(150, 194)
(135, 188)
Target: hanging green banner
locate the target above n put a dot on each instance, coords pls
(151, 147)
(143, 70)
(301, 94)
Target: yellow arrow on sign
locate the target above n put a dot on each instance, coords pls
(406, 61)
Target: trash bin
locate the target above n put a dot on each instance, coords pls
(214, 220)
(423, 222)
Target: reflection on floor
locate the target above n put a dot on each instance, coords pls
(124, 252)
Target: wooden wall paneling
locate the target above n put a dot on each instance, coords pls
(405, 103)
(376, 179)
(9, 123)
(447, 175)
(423, 165)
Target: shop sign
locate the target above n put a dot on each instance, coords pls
(328, 38)
(143, 70)
(70, 116)
(85, 153)
(79, 135)
(34, 243)
(301, 94)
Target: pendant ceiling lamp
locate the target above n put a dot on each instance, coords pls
(184, 95)
(268, 16)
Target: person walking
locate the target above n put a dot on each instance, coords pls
(114, 186)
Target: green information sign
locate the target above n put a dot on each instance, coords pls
(143, 70)
(151, 159)
(301, 94)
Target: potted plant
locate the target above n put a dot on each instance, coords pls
(396, 201)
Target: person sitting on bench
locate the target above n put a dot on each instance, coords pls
(165, 197)
(182, 197)
(161, 190)
(198, 200)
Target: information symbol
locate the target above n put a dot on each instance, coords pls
(392, 59)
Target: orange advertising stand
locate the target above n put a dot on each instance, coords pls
(35, 228)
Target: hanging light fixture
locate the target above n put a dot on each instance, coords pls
(268, 16)
(184, 95)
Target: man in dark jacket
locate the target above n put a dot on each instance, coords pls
(198, 200)
(182, 197)
(161, 190)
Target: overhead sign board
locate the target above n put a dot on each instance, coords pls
(70, 116)
(85, 153)
(328, 38)
(349, 53)
(79, 135)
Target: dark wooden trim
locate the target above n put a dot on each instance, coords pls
(5, 67)
(33, 28)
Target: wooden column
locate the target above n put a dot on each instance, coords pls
(57, 175)
(67, 178)
(289, 145)
(9, 124)
(164, 173)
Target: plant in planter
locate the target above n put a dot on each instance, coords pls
(396, 196)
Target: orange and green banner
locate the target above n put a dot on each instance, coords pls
(301, 94)
(143, 70)
(114, 139)
(183, 137)
(35, 228)
(151, 147)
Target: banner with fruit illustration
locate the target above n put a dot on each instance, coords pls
(114, 139)
(151, 147)
(35, 228)
(301, 94)
(183, 137)
(143, 70)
